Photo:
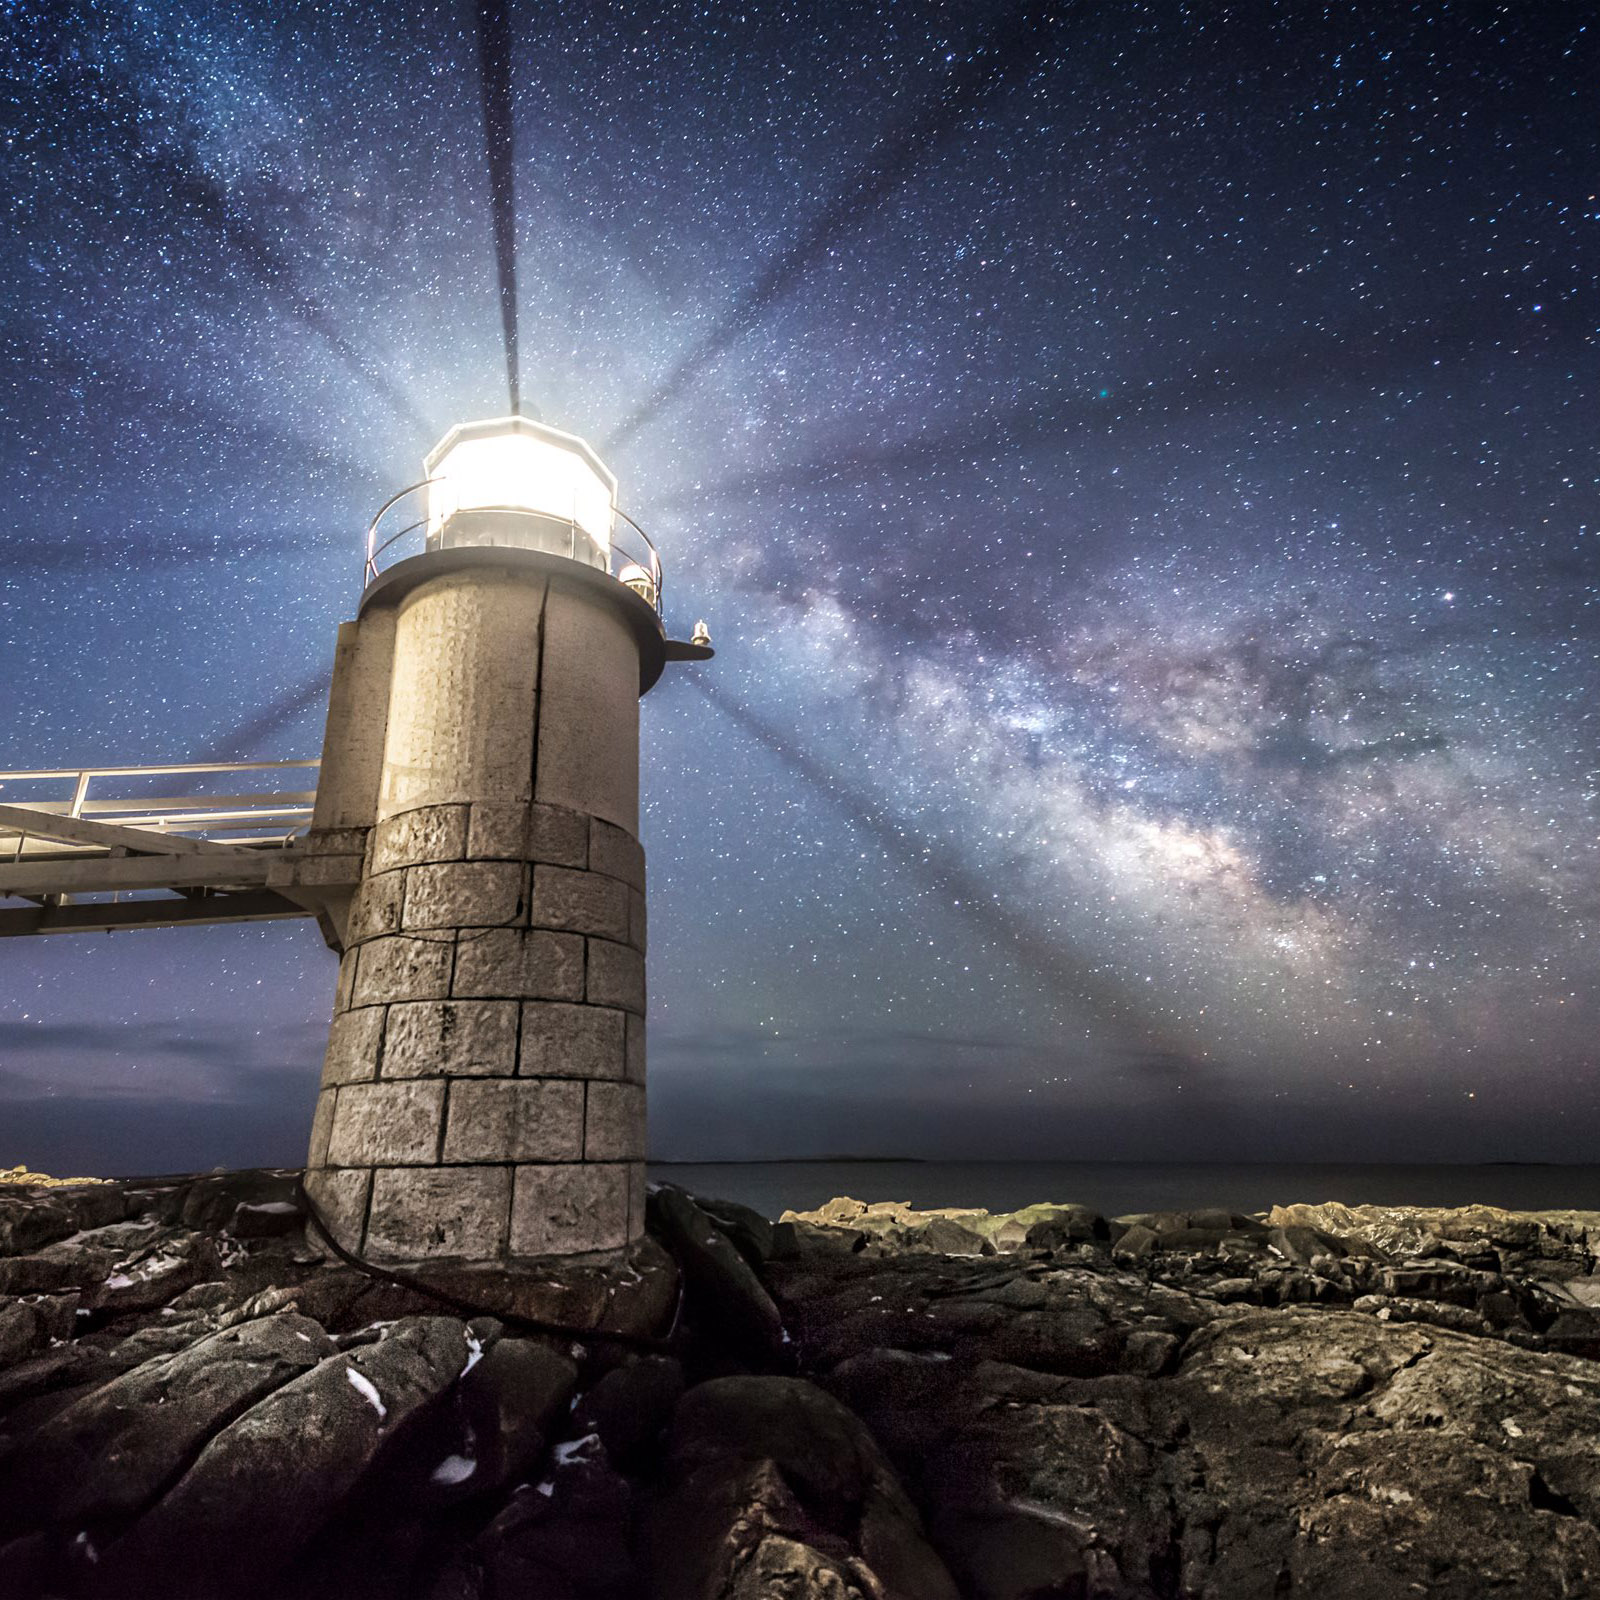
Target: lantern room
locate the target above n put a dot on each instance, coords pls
(512, 481)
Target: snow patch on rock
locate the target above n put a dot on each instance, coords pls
(368, 1390)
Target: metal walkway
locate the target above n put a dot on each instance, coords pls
(96, 848)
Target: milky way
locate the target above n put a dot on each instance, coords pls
(1137, 463)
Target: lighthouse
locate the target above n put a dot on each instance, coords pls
(482, 1097)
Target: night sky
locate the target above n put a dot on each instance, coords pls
(1137, 462)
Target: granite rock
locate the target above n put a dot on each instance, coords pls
(728, 1302)
(270, 1480)
(773, 1487)
(110, 1453)
(863, 1400)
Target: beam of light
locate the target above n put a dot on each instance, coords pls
(1294, 372)
(191, 190)
(1148, 1044)
(106, 385)
(1016, 41)
(120, 554)
(244, 742)
(494, 71)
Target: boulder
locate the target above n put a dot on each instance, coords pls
(1443, 1280)
(206, 1298)
(110, 1452)
(1404, 1230)
(244, 1202)
(727, 1300)
(1031, 1485)
(1068, 1226)
(1216, 1221)
(264, 1486)
(88, 1205)
(1576, 1333)
(1303, 1245)
(631, 1407)
(1068, 1320)
(1194, 1241)
(753, 1460)
(1343, 1456)
(745, 1536)
(1150, 1352)
(1135, 1243)
(26, 1222)
(27, 1566)
(510, 1400)
(158, 1273)
(53, 1317)
(751, 1233)
(1502, 1311)
(633, 1296)
(1398, 1308)
(817, 1239)
(19, 1331)
(112, 1240)
(842, 1211)
(569, 1537)
(785, 1242)
(59, 1210)
(1236, 1291)
(1009, 1235)
(68, 1366)
(37, 1274)
(1155, 1221)
(946, 1237)
(892, 1226)
(1299, 1451)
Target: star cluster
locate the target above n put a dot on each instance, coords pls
(1137, 462)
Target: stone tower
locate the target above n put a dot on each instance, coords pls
(483, 1093)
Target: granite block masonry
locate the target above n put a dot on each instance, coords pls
(483, 1092)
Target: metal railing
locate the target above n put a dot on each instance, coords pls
(266, 815)
(397, 531)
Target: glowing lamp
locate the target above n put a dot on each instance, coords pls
(633, 576)
(512, 481)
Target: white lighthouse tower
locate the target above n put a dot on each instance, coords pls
(483, 1094)
(471, 850)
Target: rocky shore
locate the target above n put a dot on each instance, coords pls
(863, 1401)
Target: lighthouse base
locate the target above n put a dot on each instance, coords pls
(483, 1092)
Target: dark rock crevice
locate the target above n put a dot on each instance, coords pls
(1543, 1498)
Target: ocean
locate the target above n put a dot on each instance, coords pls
(1117, 1188)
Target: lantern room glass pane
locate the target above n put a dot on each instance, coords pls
(517, 465)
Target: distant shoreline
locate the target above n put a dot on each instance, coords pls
(806, 1161)
(1030, 1161)
(1118, 1188)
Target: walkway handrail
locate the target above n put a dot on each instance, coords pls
(284, 813)
(151, 771)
